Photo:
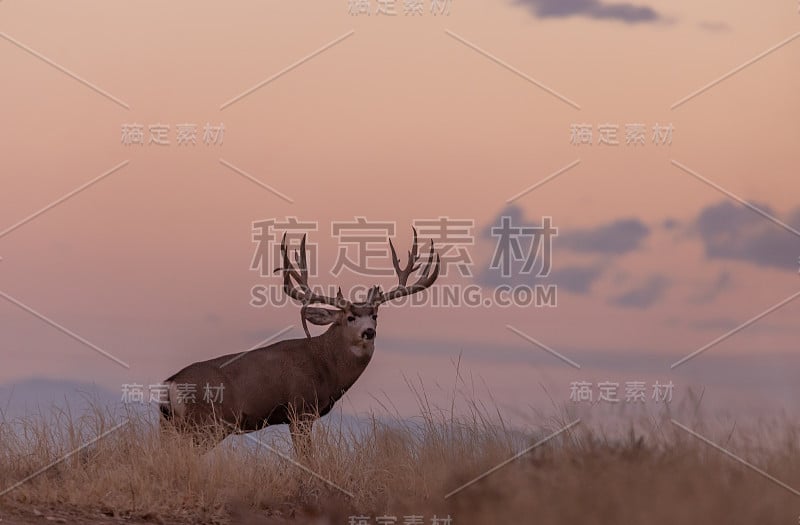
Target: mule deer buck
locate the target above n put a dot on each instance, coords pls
(293, 381)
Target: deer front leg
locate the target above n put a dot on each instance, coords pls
(301, 428)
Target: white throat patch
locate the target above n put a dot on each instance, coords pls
(362, 350)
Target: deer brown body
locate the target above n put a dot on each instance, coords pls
(293, 381)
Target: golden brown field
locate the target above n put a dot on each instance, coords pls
(657, 474)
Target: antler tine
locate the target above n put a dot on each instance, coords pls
(430, 261)
(287, 265)
(289, 272)
(413, 254)
(426, 279)
(341, 302)
(411, 266)
(395, 260)
(302, 266)
(303, 260)
(374, 294)
(301, 291)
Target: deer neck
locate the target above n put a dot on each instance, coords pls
(349, 360)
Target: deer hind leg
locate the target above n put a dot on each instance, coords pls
(189, 435)
(193, 424)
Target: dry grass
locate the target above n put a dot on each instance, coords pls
(658, 474)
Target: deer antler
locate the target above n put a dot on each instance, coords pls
(301, 291)
(426, 279)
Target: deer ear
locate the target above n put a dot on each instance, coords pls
(321, 316)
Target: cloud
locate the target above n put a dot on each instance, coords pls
(512, 211)
(493, 277)
(612, 239)
(576, 279)
(670, 224)
(733, 232)
(620, 11)
(644, 295)
(617, 238)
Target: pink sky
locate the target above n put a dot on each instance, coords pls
(397, 122)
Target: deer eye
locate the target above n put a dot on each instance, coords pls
(375, 317)
(351, 318)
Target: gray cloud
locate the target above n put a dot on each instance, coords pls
(576, 279)
(514, 212)
(644, 295)
(733, 232)
(620, 11)
(488, 276)
(670, 224)
(617, 238)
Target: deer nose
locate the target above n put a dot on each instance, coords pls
(369, 333)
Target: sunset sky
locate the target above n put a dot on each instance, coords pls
(400, 119)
